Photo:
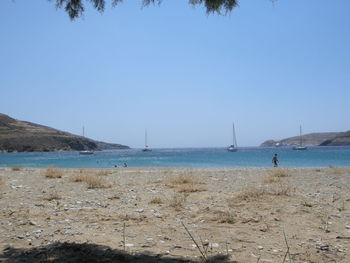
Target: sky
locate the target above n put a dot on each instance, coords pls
(183, 75)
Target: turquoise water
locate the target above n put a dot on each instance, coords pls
(205, 157)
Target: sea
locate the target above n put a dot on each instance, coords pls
(189, 157)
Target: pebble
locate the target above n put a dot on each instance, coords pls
(347, 227)
(213, 245)
(260, 247)
(157, 214)
(129, 245)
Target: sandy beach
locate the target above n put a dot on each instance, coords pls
(175, 215)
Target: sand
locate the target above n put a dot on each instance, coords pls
(160, 214)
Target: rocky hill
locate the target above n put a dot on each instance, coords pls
(313, 139)
(25, 136)
(342, 139)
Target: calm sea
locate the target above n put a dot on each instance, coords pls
(199, 157)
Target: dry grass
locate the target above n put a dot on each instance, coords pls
(78, 178)
(275, 175)
(135, 218)
(94, 182)
(183, 178)
(225, 217)
(280, 172)
(255, 194)
(53, 196)
(177, 201)
(102, 173)
(186, 182)
(339, 170)
(1, 181)
(16, 168)
(156, 200)
(52, 172)
(190, 188)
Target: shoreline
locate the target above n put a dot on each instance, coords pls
(241, 212)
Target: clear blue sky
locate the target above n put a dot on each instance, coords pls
(181, 74)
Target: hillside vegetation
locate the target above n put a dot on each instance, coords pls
(23, 136)
(314, 139)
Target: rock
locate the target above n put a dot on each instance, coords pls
(32, 223)
(260, 247)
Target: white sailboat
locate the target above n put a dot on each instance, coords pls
(146, 149)
(300, 147)
(233, 147)
(85, 152)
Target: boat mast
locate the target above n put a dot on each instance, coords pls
(83, 131)
(301, 138)
(234, 135)
(146, 138)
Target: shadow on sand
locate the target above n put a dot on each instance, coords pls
(89, 253)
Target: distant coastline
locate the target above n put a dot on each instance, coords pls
(23, 136)
(313, 139)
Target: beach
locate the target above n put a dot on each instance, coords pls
(156, 214)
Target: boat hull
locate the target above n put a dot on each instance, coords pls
(231, 149)
(86, 153)
(299, 148)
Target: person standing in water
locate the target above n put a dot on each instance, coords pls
(275, 160)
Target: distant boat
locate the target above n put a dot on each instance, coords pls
(300, 147)
(146, 149)
(233, 147)
(85, 152)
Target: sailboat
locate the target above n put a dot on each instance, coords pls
(146, 149)
(300, 147)
(85, 152)
(233, 147)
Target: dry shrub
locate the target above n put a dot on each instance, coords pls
(183, 178)
(102, 173)
(156, 200)
(94, 182)
(54, 196)
(16, 168)
(78, 178)
(190, 188)
(282, 189)
(225, 217)
(250, 194)
(80, 175)
(271, 179)
(275, 175)
(135, 218)
(177, 201)
(53, 172)
(253, 194)
(280, 173)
